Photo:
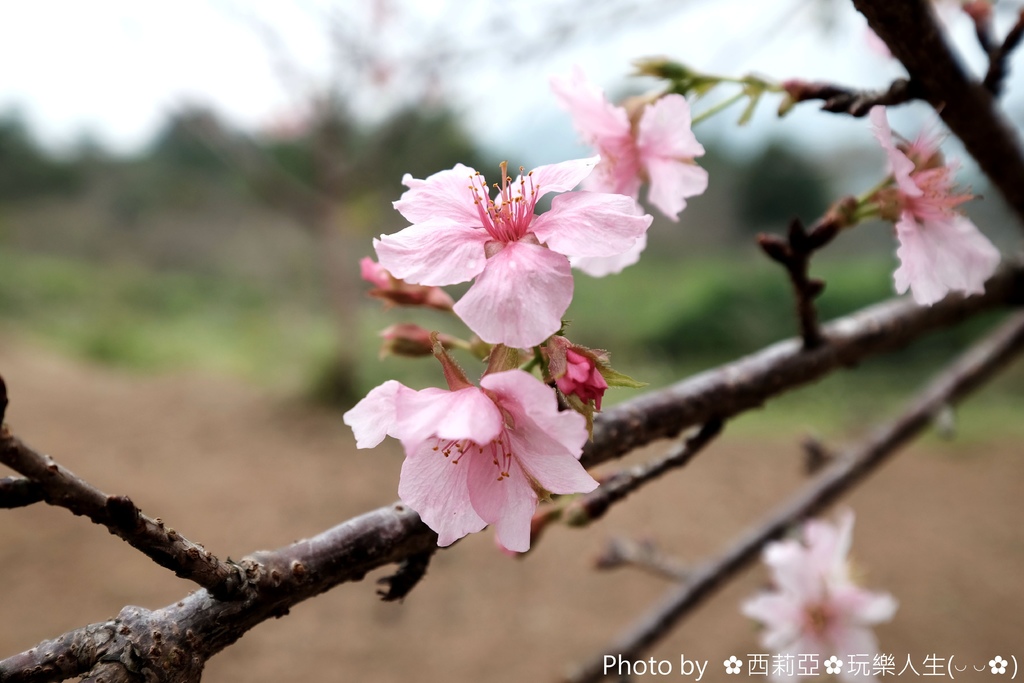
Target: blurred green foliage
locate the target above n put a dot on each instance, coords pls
(133, 318)
(778, 184)
(26, 170)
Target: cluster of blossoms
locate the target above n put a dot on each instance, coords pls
(479, 455)
(485, 455)
(816, 607)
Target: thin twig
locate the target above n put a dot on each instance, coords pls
(980, 12)
(122, 517)
(794, 254)
(16, 492)
(621, 552)
(968, 372)
(997, 69)
(592, 506)
(840, 100)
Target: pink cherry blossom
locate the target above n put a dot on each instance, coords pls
(940, 250)
(816, 608)
(478, 455)
(520, 260)
(658, 148)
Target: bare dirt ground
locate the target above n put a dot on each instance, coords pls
(240, 470)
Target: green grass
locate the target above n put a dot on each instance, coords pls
(145, 321)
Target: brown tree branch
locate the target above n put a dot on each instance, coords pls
(72, 654)
(16, 492)
(840, 100)
(748, 382)
(592, 506)
(165, 546)
(621, 552)
(971, 370)
(794, 254)
(999, 55)
(911, 31)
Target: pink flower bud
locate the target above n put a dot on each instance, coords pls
(406, 339)
(398, 293)
(582, 378)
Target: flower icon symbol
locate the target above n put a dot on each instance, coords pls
(733, 665)
(998, 665)
(833, 665)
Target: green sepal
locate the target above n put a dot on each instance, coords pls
(502, 358)
(618, 379)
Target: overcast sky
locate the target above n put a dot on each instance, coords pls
(115, 68)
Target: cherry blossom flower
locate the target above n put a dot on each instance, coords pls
(477, 455)
(816, 608)
(940, 250)
(520, 260)
(654, 145)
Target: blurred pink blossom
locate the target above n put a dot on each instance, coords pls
(520, 260)
(940, 250)
(815, 607)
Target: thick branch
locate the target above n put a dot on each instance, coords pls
(70, 655)
(59, 486)
(911, 31)
(971, 370)
(748, 382)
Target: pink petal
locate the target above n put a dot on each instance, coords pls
(793, 572)
(664, 130)
(942, 256)
(547, 442)
(520, 296)
(436, 488)
(373, 418)
(667, 148)
(899, 164)
(862, 607)
(447, 415)
(779, 615)
(563, 176)
(507, 503)
(828, 545)
(444, 195)
(591, 224)
(435, 253)
(597, 120)
(596, 266)
(671, 182)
